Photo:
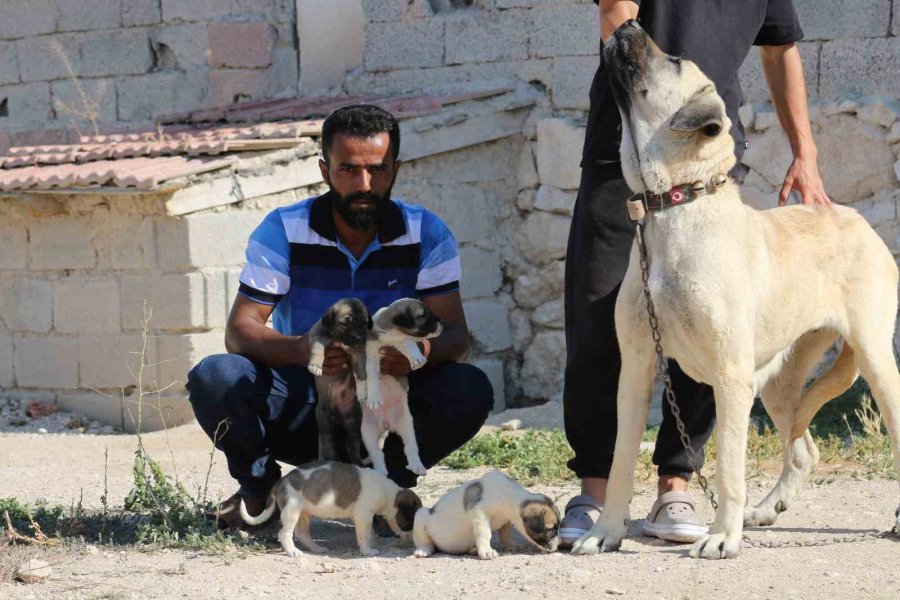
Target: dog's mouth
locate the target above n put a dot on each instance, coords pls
(628, 53)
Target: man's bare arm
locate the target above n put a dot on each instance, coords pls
(613, 13)
(783, 68)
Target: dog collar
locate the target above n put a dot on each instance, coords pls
(640, 204)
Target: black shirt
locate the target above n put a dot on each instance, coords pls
(716, 35)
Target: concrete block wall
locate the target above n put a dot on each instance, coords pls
(136, 59)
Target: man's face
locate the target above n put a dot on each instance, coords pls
(360, 172)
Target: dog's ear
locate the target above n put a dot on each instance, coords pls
(370, 324)
(328, 318)
(407, 503)
(703, 113)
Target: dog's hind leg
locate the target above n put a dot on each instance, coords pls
(301, 532)
(786, 403)
(424, 543)
(371, 439)
(290, 515)
(407, 433)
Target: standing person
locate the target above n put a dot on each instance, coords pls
(717, 35)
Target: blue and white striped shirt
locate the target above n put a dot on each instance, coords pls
(296, 263)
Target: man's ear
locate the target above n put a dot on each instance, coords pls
(704, 114)
(323, 167)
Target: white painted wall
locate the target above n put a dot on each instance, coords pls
(332, 36)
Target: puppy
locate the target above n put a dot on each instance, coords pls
(400, 325)
(463, 520)
(333, 490)
(338, 415)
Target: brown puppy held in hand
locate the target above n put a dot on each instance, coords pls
(331, 490)
(465, 517)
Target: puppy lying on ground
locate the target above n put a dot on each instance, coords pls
(401, 325)
(338, 415)
(332, 490)
(464, 518)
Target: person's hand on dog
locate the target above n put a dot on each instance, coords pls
(803, 176)
(393, 362)
(336, 360)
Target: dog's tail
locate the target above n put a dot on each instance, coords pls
(831, 384)
(261, 517)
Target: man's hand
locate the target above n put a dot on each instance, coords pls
(803, 176)
(393, 362)
(336, 358)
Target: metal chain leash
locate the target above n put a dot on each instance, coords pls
(662, 368)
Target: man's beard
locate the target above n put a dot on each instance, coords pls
(361, 219)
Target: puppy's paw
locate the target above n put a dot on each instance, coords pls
(423, 552)
(716, 546)
(362, 390)
(317, 549)
(369, 551)
(417, 363)
(605, 536)
(294, 552)
(417, 467)
(316, 370)
(761, 515)
(372, 401)
(489, 554)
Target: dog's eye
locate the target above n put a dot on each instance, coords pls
(644, 92)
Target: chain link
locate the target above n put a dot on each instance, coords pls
(838, 539)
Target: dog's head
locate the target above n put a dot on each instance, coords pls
(347, 321)
(674, 126)
(540, 518)
(406, 503)
(412, 318)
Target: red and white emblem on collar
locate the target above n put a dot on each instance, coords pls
(677, 196)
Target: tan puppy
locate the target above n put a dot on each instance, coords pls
(747, 301)
(464, 518)
(331, 490)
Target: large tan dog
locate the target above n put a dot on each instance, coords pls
(747, 301)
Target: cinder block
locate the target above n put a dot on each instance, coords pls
(180, 46)
(228, 86)
(205, 240)
(46, 362)
(124, 52)
(208, 10)
(7, 373)
(566, 31)
(157, 413)
(394, 10)
(26, 304)
(87, 15)
(27, 18)
(493, 368)
(283, 72)
(870, 66)
(9, 63)
(140, 12)
(463, 209)
(481, 275)
(488, 321)
(550, 199)
(61, 243)
(179, 353)
(559, 149)
(27, 104)
(391, 46)
(130, 242)
(572, 78)
(45, 57)
(830, 19)
(106, 409)
(217, 302)
(15, 245)
(232, 284)
(113, 361)
(176, 301)
(99, 99)
(239, 45)
(148, 96)
(81, 306)
(488, 38)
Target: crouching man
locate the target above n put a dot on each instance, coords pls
(354, 241)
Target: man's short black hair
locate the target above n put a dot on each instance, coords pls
(360, 120)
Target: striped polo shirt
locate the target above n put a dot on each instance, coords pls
(296, 263)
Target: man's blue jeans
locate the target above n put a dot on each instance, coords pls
(264, 414)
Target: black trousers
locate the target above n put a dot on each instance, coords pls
(269, 414)
(597, 257)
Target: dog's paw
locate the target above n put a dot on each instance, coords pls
(405, 536)
(604, 536)
(370, 552)
(316, 370)
(362, 390)
(417, 467)
(417, 363)
(489, 554)
(372, 401)
(715, 546)
(293, 552)
(762, 515)
(423, 552)
(896, 528)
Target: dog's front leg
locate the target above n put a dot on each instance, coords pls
(506, 538)
(358, 363)
(413, 354)
(373, 376)
(481, 528)
(317, 344)
(362, 522)
(734, 399)
(632, 404)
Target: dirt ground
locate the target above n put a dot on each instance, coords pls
(59, 468)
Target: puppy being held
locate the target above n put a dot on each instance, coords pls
(400, 325)
(463, 520)
(346, 324)
(332, 490)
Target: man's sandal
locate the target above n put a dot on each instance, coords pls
(581, 514)
(673, 518)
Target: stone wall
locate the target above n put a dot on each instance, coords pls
(132, 60)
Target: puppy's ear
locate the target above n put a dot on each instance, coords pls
(370, 324)
(328, 319)
(405, 320)
(704, 113)
(407, 504)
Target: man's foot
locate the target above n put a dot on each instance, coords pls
(673, 518)
(228, 514)
(581, 514)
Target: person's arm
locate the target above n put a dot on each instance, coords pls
(784, 73)
(613, 13)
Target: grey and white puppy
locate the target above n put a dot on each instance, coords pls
(338, 416)
(333, 490)
(463, 520)
(401, 325)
